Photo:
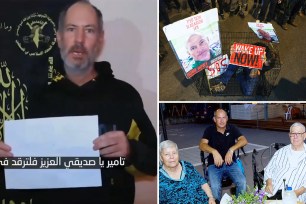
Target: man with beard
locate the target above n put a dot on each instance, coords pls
(90, 88)
(221, 141)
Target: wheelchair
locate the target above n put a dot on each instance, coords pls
(226, 181)
(258, 173)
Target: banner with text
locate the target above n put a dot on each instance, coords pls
(247, 55)
(195, 41)
(29, 59)
(218, 67)
(29, 56)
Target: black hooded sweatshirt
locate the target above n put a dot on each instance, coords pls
(115, 102)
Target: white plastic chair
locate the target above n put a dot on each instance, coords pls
(288, 113)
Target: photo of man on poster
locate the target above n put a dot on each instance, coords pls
(195, 41)
(199, 51)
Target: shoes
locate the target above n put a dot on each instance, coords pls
(235, 12)
(241, 14)
(218, 88)
(284, 26)
(301, 13)
(251, 11)
(293, 23)
(254, 73)
(257, 21)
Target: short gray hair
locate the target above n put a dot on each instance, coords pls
(297, 124)
(166, 144)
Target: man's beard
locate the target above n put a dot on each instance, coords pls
(77, 68)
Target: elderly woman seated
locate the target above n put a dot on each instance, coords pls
(179, 181)
(288, 166)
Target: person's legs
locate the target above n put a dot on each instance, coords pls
(234, 7)
(250, 86)
(287, 13)
(247, 83)
(163, 13)
(263, 10)
(271, 12)
(213, 3)
(222, 80)
(177, 4)
(304, 7)
(244, 5)
(234, 172)
(215, 175)
(168, 4)
(192, 6)
(295, 10)
(221, 10)
(227, 75)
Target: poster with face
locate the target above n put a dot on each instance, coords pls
(195, 41)
(264, 31)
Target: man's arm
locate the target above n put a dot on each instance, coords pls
(300, 191)
(241, 142)
(206, 148)
(269, 186)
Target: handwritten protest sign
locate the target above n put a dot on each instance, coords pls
(247, 55)
(217, 67)
(195, 41)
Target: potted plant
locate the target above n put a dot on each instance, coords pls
(251, 196)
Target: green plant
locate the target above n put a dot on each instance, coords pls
(251, 196)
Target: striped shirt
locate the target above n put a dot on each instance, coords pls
(280, 167)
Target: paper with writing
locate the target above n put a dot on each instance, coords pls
(52, 137)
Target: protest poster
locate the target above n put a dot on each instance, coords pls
(264, 31)
(218, 67)
(195, 41)
(247, 55)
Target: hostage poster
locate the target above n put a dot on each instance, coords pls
(195, 41)
(264, 31)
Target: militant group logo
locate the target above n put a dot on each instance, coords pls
(36, 34)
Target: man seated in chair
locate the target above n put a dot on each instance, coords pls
(288, 166)
(219, 141)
